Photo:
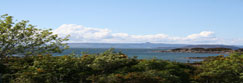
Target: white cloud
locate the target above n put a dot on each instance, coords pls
(203, 34)
(80, 34)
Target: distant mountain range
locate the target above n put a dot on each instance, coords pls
(125, 45)
(146, 45)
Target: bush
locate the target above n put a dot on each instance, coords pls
(223, 69)
(107, 67)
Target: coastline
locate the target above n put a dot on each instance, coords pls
(215, 52)
(201, 50)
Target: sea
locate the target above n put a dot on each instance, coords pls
(143, 54)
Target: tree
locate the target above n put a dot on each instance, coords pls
(25, 39)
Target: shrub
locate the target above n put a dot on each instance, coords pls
(223, 69)
(107, 67)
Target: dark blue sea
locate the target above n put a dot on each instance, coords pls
(143, 54)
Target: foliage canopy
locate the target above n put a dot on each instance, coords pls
(25, 39)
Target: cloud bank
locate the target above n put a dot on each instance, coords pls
(82, 34)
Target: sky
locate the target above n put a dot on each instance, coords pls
(135, 21)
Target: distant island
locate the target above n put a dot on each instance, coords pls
(213, 46)
(215, 49)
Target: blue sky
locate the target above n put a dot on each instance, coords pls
(173, 19)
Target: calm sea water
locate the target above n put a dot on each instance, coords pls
(143, 54)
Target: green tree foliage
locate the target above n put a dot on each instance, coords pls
(223, 69)
(113, 67)
(25, 39)
(2, 68)
(107, 67)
